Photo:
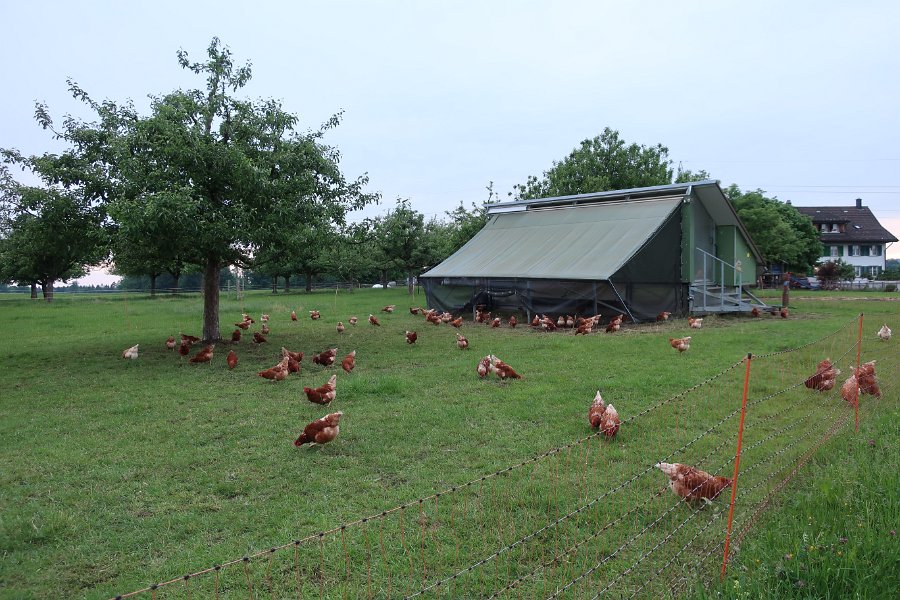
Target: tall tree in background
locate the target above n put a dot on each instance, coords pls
(239, 172)
(603, 163)
(401, 236)
(780, 232)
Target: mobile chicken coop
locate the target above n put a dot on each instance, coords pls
(678, 248)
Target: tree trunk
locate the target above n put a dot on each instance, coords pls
(275, 284)
(175, 278)
(409, 282)
(287, 284)
(153, 285)
(211, 301)
(34, 290)
(384, 278)
(47, 290)
(308, 275)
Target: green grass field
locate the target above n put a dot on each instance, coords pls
(117, 474)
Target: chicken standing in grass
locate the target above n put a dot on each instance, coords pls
(131, 353)
(824, 377)
(326, 358)
(884, 333)
(754, 312)
(461, 342)
(293, 315)
(321, 431)
(340, 327)
(298, 356)
(171, 343)
(184, 349)
(231, 359)
(411, 337)
(204, 356)
(314, 315)
(484, 367)
(457, 322)
(663, 316)
(323, 394)
(190, 339)
(503, 370)
(495, 322)
(513, 321)
(680, 344)
(691, 483)
(278, 372)
(784, 312)
(352, 320)
(374, 321)
(868, 383)
(695, 323)
(604, 416)
(243, 325)
(264, 317)
(389, 308)
(265, 329)
(259, 338)
(236, 335)
(349, 362)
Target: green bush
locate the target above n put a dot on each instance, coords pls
(891, 287)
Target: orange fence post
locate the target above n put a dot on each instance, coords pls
(737, 464)
(858, 353)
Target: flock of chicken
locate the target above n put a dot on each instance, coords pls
(686, 481)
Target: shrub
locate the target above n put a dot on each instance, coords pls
(891, 287)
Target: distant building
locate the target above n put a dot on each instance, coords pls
(853, 234)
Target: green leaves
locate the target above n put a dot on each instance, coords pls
(599, 164)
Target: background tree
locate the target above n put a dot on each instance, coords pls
(603, 163)
(401, 237)
(780, 232)
(48, 234)
(464, 224)
(832, 272)
(241, 173)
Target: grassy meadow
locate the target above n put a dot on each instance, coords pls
(115, 474)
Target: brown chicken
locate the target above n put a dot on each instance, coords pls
(850, 390)
(264, 317)
(503, 370)
(259, 338)
(293, 315)
(323, 394)
(585, 328)
(298, 356)
(131, 353)
(190, 339)
(604, 416)
(204, 356)
(389, 308)
(691, 483)
(243, 325)
(321, 431)
(314, 315)
(496, 322)
(535, 322)
(561, 321)
(264, 329)
(512, 322)
(326, 358)
(231, 359)
(247, 318)
(784, 313)
(411, 337)
(680, 344)
(484, 367)
(236, 335)
(457, 322)
(374, 321)
(184, 349)
(613, 326)
(868, 384)
(824, 377)
(415, 310)
(595, 412)
(293, 365)
(349, 362)
(548, 324)
(663, 316)
(695, 323)
(352, 320)
(754, 312)
(278, 372)
(171, 343)
(461, 342)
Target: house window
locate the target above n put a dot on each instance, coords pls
(864, 251)
(854, 251)
(857, 271)
(876, 250)
(873, 271)
(835, 228)
(834, 251)
(824, 228)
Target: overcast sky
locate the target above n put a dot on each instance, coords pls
(801, 99)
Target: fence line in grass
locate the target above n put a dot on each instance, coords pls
(591, 518)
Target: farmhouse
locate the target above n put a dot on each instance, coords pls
(678, 248)
(853, 234)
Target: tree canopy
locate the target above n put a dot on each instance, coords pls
(603, 163)
(780, 232)
(207, 178)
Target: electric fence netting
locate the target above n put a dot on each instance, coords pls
(594, 518)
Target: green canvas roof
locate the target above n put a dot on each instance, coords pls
(589, 242)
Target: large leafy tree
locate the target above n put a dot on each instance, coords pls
(235, 174)
(781, 233)
(603, 163)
